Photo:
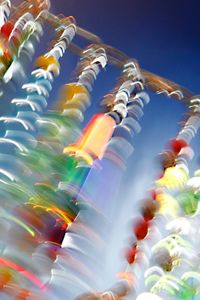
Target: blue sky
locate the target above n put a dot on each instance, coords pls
(164, 36)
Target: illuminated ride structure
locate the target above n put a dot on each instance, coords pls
(52, 236)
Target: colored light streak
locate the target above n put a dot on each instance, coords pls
(24, 272)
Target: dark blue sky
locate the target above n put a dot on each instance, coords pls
(164, 36)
